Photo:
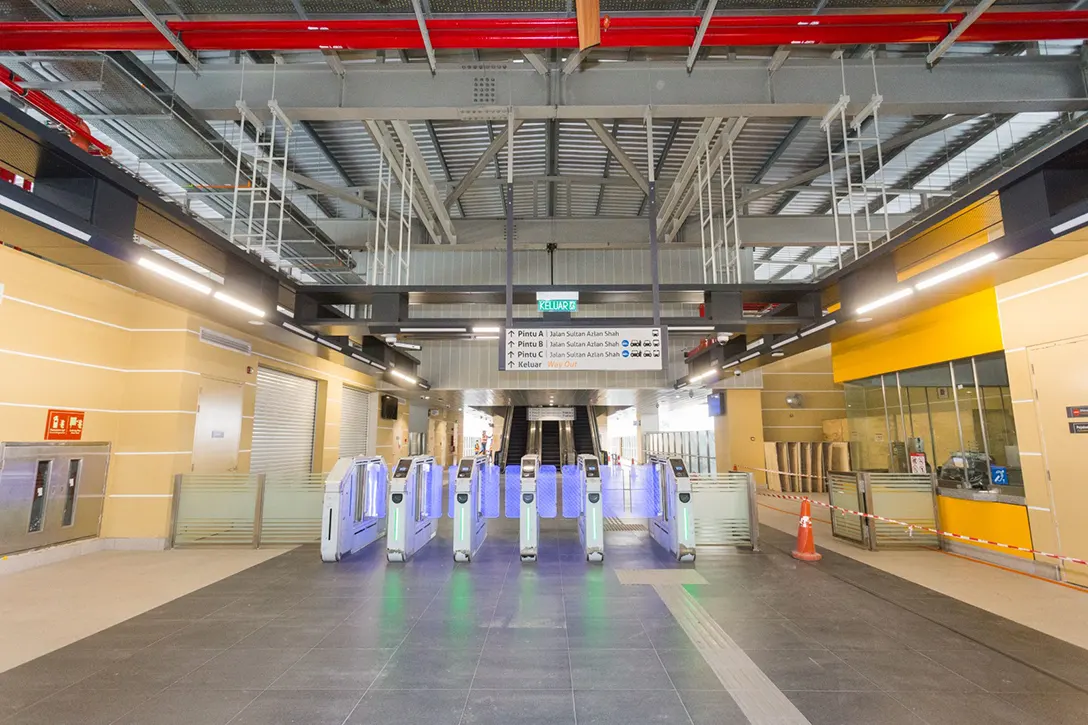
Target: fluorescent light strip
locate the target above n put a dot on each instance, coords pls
(326, 343)
(402, 376)
(406, 345)
(485, 337)
(433, 329)
(164, 271)
(893, 297)
(235, 302)
(285, 312)
(377, 365)
(703, 328)
(486, 329)
(44, 219)
(729, 365)
(299, 331)
(787, 341)
(746, 358)
(754, 344)
(702, 375)
(1066, 226)
(956, 271)
(824, 326)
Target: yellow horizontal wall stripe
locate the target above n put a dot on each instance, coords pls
(957, 329)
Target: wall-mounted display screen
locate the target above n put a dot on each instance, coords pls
(715, 403)
(390, 407)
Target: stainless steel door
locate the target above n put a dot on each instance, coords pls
(50, 493)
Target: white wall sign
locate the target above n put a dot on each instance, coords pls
(589, 348)
(550, 414)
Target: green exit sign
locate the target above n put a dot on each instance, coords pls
(557, 305)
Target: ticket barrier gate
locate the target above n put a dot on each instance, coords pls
(415, 503)
(672, 525)
(591, 514)
(529, 515)
(353, 515)
(474, 498)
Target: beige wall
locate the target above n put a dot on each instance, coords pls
(134, 364)
(1045, 330)
(738, 439)
(808, 373)
(393, 434)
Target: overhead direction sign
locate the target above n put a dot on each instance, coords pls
(591, 348)
(557, 301)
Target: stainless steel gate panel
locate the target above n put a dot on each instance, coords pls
(50, 493)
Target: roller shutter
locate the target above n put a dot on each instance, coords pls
(283, 423)
(355, 423)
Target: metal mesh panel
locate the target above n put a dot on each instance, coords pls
(19, 152)
(292, 509)
(237, 7)
(723, 511)
(546, 502)
(572, 492)
(489, 479)
(217, 509)
(104, 8)
(498, 6)
(346, 7)
(513, 492)
(843, 491)
(907, 497)
(11, 10)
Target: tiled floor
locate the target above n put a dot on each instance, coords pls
(293, 640)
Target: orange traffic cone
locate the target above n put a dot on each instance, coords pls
(806, 547)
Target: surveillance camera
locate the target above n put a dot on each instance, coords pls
(737, 373)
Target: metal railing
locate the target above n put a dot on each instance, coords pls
(696, 447)
(246, 509)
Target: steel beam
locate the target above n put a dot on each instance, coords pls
(417, 8)
(481, 163)
(574, 60)
(619, 154)
(688, 167)
(610, 91)
(816, 230)
(423, 174)
(780, 149)
(174, 40)
(701, 33)
(388, 148)
(537, 61)
(691, 195)
(934, 56)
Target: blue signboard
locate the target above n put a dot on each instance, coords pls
(1000, 475)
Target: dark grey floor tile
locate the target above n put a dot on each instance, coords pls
(149, 670)
(810, 670)
(688, 670)
(611, 670)
(189, 707)
(447, 634)
(768, 634)
(79, 707)
(607, 634)
(191, 607)
(278, 635)
(134, 633)
(943, 708)
(334, 669)
(15, 698)
(204, 633)
(61, 668)
(712, 707)
(519, 707)
(852, 708)
(667, 634)
(243, 669)
(528, 638)
(855, 634)
(295, 707)
(433, 707)
(428, 669)
(625, 708)
(379, 635)
(907, 671)
(996, 672)
(1051, 708)
(517, 669)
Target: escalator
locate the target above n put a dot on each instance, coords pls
(584, 441)
(519, 437)
(549, 443)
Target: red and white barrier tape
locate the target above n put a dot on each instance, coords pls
(911, 528)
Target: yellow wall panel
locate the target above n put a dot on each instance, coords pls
(1002, 522)
(957, 329)
(136, 518)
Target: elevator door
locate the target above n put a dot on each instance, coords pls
(50, 493)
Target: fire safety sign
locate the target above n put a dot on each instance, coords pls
(64, 425)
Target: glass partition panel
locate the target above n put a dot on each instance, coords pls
(867, 424)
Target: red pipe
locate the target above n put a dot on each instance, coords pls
(514, 33)
(78, 132)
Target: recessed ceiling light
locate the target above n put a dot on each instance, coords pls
(778, 353)
(865, 319)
